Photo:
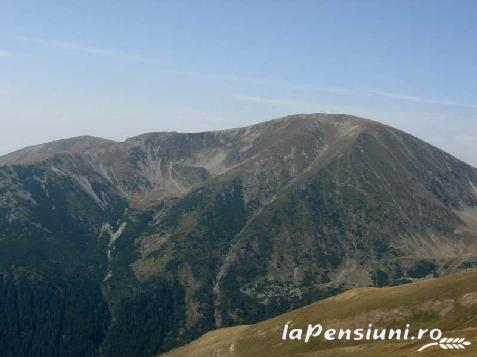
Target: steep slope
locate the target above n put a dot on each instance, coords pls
(177, 234)
(448, 303)
(52, 258)
(153, 166)
(378, 212)
(370, 206)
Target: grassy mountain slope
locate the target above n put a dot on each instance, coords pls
(448, 303)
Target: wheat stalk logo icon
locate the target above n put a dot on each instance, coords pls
(448, 344)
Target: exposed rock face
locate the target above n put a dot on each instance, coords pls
(177, 234)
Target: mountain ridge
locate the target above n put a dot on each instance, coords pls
(4, 158)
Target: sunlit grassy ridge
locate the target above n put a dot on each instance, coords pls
(448, 303)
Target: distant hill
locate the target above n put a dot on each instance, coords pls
(133, 248)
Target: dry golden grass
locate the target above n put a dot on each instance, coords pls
(448, 303)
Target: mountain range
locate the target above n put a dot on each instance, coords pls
(133, 248)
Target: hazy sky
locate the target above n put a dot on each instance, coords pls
(119, 68)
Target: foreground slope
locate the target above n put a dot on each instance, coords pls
(158, 239)
(448, 303)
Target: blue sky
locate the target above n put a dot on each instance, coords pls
(119, 68)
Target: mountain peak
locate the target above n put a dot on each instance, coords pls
(36, 153)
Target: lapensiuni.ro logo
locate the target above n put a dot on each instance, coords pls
(435, 337)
